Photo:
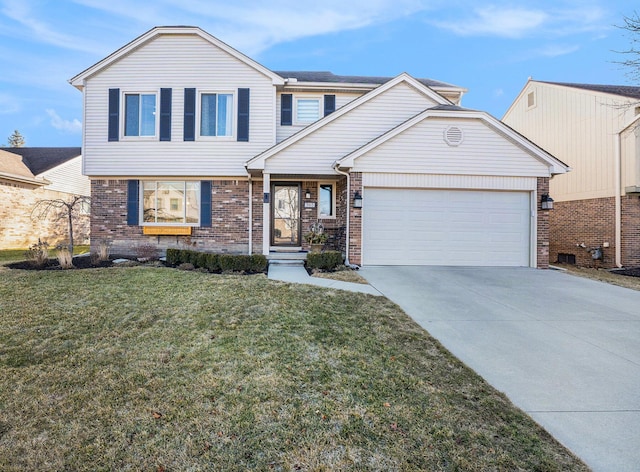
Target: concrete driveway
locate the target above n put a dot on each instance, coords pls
(564, 349)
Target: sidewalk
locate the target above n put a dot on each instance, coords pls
(296, 273)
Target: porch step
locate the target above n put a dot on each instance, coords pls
(287, 262)
(287, 256)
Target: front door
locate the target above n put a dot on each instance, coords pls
(285, 211)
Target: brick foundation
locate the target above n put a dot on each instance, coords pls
(229, 232)
(19, 231)
(592, 223)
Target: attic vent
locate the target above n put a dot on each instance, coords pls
(453, 136)
(531, 100)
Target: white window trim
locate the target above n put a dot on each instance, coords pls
(141, 203)
(296, 98)
(234, 114)
(123, 116)
(333, 200)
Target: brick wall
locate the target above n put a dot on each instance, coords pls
(19, 231)
(589, 222)
(230, 220)
(543, 226)
(355, 221)
(630, 246)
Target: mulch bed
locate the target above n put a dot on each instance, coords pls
(83, 262)
(631, 272)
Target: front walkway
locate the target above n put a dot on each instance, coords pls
(296, 273)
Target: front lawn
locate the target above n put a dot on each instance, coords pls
(15, 255)
(157, 369)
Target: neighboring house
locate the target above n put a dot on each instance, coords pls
(31, 174)
(594, 129)
(188, 142)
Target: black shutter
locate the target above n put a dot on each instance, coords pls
(329, 104)
(286, 109)
(165, 114)
(205, 203)
(189, 114)
(133, 202)
(243, 114)
(114, 114)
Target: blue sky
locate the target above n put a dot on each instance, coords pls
(488, 47)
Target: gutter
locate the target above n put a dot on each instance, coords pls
(618, 190)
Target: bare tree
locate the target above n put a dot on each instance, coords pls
(16, 140)
(60, 208)
(631, 56)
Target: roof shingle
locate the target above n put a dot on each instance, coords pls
(42, 159)
(330, 77)
(623, 90)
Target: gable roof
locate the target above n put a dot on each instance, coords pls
(452, 111)
(623, 90)
(42, 159)
(78, 80)
(330, 77)
(258, 161)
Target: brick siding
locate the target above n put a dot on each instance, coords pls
(19, 231)
(229, 232)
(543, 226)
(630, 247)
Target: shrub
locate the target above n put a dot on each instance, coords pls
(146, 252)
(217, 262)
(103, 251)
(38, 253)
(173, 256)
(65, 259)
(327, 260)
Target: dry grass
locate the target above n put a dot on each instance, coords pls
(157, 369)
(603, 275)
(343, 276)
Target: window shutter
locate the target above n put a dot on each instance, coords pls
(286, 109)
(165, 114)
(114, 114)
(189, 114)
(329, 104)
(205, 203)
(243, 114)
(133, 202)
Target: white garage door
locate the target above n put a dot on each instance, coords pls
(445, 227)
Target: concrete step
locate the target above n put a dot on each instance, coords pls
(288, 262)
(292, 256)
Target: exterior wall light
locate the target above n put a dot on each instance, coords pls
(357, 200)
(546, 202)
(307, 195)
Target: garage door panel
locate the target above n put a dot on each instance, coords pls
(446, 227)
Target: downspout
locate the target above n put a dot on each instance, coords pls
(346, 236)
(250, 214)
(618, 190)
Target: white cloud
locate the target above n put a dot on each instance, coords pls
(73, 126)
(519, 22)
(35, 29)
(496, 21)
(254, 25)
(555, 50)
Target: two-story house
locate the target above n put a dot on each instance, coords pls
(188, 141)
(596, 130)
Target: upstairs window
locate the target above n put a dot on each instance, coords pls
(139, 114)
(171, 202)
(216, 114)
(307, 110)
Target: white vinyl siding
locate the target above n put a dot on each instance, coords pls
(315, 153)
(578, 127)
(68, 178)
(422, 149)
(446, 227)
(176, 62)
(283, 132)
